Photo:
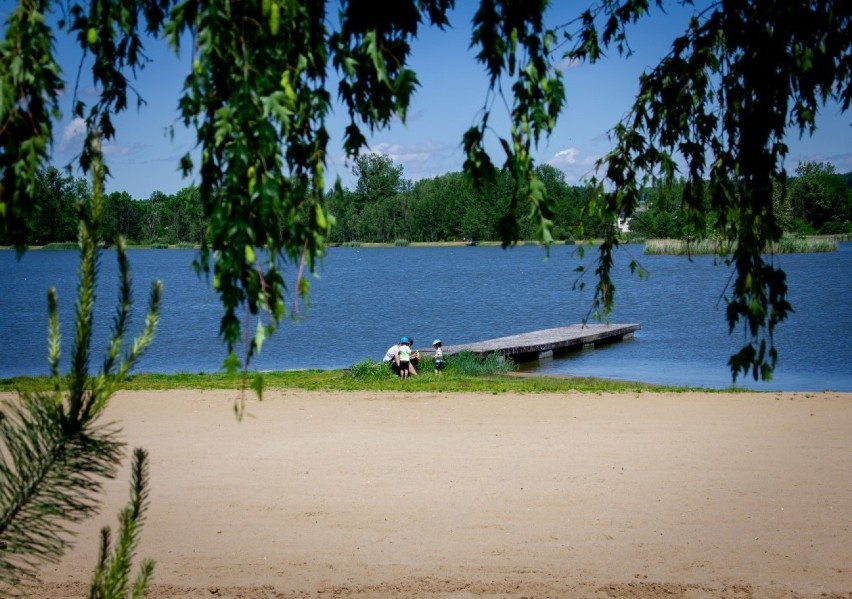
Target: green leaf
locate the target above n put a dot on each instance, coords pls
(231, 364)
(259, 337)
(257, 385)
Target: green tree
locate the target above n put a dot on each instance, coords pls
(189, 222)
(377, 177)
(55, 216)
(182, 217)
(557, 190)
(373, 224)
(819, 195)
(782, 207)
(742, 76)
(430, 220)
(569, 202)
(380, 197)
(121, 217)
(153, 217)
(259, 94)
(342, 206)
(475, 221)
(498, 212)
(440, 205)
(664, 214)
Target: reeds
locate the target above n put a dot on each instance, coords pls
(787, 245)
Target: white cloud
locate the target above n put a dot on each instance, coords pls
(411, 153)
(566, 157)
(568, 63)
(418, 160)
(422, 160)
(573, 164)
(842, 162)
(74, 132)
(114, 149)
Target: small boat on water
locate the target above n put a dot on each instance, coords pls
(470, 241)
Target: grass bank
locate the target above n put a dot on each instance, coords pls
(345, 380)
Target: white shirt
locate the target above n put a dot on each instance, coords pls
(390, 355)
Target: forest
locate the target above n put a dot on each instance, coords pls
(385, 207)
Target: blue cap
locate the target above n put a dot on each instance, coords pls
(404, 340)
(436, 342)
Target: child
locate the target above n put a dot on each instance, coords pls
(439, 356)
(404, 357)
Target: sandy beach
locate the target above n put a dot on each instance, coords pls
(335, 494)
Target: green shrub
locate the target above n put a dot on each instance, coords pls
(468, 363)
(836, 227)
(802, 227)
(370, 369)
(461, 364)
(401, 243)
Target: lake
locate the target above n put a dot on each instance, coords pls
(363, 299)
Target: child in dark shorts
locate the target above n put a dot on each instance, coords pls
(404, 358)
(439, 356)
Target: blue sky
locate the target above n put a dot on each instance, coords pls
(143, 159)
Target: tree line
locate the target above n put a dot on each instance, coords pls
(385, 207)
(816, 201)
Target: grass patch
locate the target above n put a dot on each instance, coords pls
(370, 369)
(468, 364)
(61, 245)
(805, 245)
(462, 364)
(787, 245)
(378, 379)
(679, 247)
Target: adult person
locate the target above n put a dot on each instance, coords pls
(392, 356)
(414, 361)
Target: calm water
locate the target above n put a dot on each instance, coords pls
(365, 298)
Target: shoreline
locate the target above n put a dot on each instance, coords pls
(455, 243)
(522, 381)
(428, 494)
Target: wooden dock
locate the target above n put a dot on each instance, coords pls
(548, 342)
